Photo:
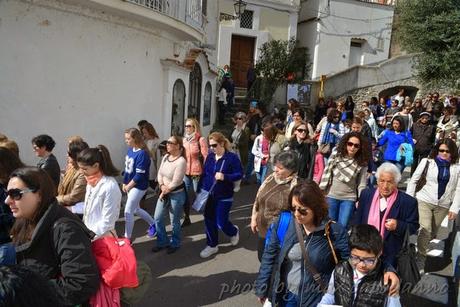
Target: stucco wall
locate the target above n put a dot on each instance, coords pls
(275, 22)
(337, 25)
(70, 73)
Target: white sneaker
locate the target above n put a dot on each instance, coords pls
(208, 251)
(236, 238)
(236, 186)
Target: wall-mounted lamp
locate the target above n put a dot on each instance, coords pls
(239, 6)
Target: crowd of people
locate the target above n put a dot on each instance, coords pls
(328, 206)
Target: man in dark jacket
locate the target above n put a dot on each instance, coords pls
(423, 134)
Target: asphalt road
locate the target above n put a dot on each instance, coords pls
(185, 279)
(224, 279)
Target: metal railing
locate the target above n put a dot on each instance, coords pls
(383, 2)
(186, 11)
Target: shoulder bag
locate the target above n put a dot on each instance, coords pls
(422, 180)
(202, 197)
(407, 265)
(315, 274)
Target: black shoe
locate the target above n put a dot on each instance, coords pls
(186, 222)
(172, 250)
(156, 249)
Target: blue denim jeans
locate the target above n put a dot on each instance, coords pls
(261, 174)
(250, 166)
(174, 203)
(289, 300)
(189, 181)
(7, 254)
(340, 210)
(216, 216)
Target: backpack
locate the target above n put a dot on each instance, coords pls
(285, 218)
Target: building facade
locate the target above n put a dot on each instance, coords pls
(345, 33)
(262, 21)
(95, 67)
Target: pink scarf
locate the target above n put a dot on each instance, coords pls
(92, 180)
(374, 212)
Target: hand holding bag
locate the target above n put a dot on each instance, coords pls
(202, 197)
(407, 265)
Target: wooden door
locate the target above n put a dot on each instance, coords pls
(241, 58)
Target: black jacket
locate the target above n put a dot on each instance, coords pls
(60, 250)
(51, 166)
(371, 291)
(306, 154)
(6, 217)
(424, 135)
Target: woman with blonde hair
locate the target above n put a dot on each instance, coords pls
(195, 150)
(221, 169)
(136, 180)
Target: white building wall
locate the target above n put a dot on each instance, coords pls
(67, 73)
(328, 37)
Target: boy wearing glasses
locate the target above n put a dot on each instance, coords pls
(359, 281)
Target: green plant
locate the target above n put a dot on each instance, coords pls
(431, 29)
(280, 62)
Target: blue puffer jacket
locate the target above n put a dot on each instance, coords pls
(319, 254)
(232, 170)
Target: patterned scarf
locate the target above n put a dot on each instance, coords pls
(330, 138)
(342, 168)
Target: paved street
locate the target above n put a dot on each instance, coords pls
(184, 279)
(224, 279)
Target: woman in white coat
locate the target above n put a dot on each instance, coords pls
(439, 196)
(103, 195)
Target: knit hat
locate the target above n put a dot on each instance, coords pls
(425, 113)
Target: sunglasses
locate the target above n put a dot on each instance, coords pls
(239, 118)
(301, 130)
(355, 145)
(188, 126)
(336, 117)
(443, 150)
(16, 194)
(302, 211)
(367, 261)
(170, 143)
(213, 145)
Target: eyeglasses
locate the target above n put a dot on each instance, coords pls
(170, 143)
(16, 194)
(355, 260)
(301, 130)
(355, 145)
(188, 126)
(302, 211)
(443, 150)
(213, 145)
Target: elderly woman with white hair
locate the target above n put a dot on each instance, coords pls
(391, 211)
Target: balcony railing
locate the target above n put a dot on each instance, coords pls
(383, 2)
(187, 11)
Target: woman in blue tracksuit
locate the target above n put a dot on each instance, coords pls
(394, 137)
(293, 283)
(136, 180)
(222, 167)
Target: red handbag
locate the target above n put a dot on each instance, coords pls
(116, 261)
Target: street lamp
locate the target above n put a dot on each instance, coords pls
(239, 6)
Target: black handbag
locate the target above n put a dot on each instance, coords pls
(422, 180)
(407, 265)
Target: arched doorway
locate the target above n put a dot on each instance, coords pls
(178, 108)
(410, 91)
(207, 104)
(194, 100)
